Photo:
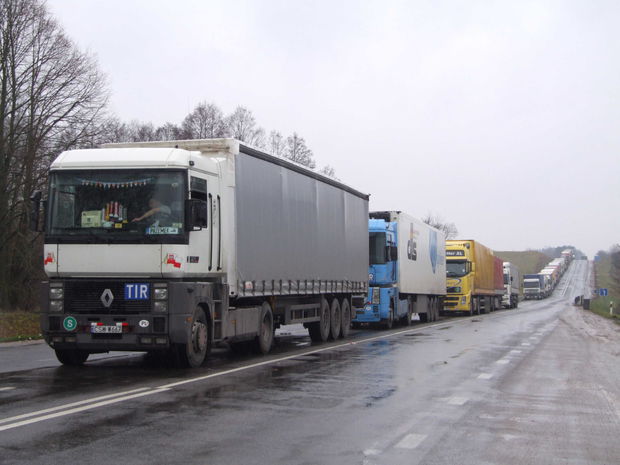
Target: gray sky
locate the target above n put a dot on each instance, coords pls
(500, 116)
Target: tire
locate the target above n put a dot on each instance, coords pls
(409, 314)
(319, 330)
(72, 357)
(345, 323)
(388, 323)
(335, 319)
(264, 340)
(194, 353)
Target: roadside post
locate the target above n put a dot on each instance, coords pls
(611, 307)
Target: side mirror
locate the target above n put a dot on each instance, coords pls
(472, 266)
(197, 214)
(393, 254)
(35, 211)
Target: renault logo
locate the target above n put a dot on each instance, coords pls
(106, 298)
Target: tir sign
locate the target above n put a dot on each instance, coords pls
(137, 291)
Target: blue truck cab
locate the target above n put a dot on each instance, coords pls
(382, 301)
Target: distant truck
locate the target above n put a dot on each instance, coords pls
(170, 247)
(471, 273)
(407, 270)
(512, 284)
(534, 287)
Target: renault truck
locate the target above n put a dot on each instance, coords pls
(406, 270)
(171, 247)
(470, 278)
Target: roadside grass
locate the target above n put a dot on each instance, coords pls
(19, 326)
(600, 305)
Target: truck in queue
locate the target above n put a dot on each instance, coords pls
(534, 286)
(171, 247)
(470, 278)
(406, 270)
(512, 284)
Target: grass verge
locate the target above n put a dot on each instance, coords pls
(600, 305)
(19, 326)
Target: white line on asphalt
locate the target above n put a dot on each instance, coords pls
(158, 389)
(525, 344)
(457, 400)
(485, 376)
(411, 441)
(80, 409)
(515, 351)
(503, 361)
(74, 404)
(7, 388)
(533, 337)
(372, 452)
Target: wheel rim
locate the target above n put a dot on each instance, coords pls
(199, 337)
(325, 323)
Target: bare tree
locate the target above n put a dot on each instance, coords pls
(206, 121)
(328, 170)
(297, 151)
(276, 144)
(52, 97)
(168, 131)
(436, 221)
(241, 125)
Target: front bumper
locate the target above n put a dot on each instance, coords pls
(456, 303)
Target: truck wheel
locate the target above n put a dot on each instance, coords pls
(319, 330)
(335, 319)
(409, 314)
(389, 321)
(264, 340)
(345, 324)
(193, 353)
(72, 357)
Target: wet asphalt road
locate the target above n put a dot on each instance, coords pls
(539, 384)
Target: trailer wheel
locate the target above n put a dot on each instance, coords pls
(345, 311)
(409, 315)
(319, 330)
(389, 321)
(264, 340)
(193, 353)
(71, 357)
(335, 319)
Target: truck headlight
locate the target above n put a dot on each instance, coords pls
(56, 305)
(463, 300)
(56, 293)
(160, 306)
(160, 293)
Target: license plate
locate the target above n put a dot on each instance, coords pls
(106, 329)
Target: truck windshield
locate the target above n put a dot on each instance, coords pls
(531, 284)
(122, 205)
(456, 268)
(377, 249)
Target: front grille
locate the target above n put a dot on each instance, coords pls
(85, 297)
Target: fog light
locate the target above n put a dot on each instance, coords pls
(58, 339)
(71, 339)
(161, 340)
(56, 305)
(160, 306)
(463, 300)
(146, 340)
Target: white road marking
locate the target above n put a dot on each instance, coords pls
(145, 391)
(411, 441)
(457, 400)
(525, 344)
(7, 388)
(485, 376)
(533, 337)
(79, 409)
(73, 404)
(515, 351)
(503, 361)
(372, 452)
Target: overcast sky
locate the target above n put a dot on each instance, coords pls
(501, 116)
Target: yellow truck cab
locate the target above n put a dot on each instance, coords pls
(470, 282)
